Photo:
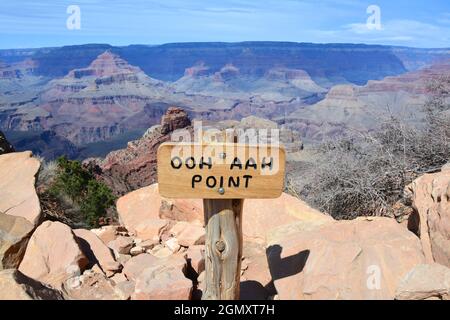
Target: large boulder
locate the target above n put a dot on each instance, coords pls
(431, 200)
(360, 259)
(97, 252)
(16, 286)
(138, 206)
(262, 215)
(190, 210)
(17, 193)
(425, 281)
(146, 204)
(14, 235)
(53, 255)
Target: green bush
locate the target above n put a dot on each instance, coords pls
(93, 197)
(97, 200)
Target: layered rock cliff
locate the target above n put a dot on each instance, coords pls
(349, 107)
(135, 167)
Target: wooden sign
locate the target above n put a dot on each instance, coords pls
(220, 170)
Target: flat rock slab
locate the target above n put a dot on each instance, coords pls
(17, 193)
(360, 259)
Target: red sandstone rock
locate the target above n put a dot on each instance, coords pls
(53, 255)
(188, 234)
(164, 281)
(365, 258)
(121, 245)
(17, 194)
(431, 200)
(135, 167)
(195, 255)
(150, 229)
(134, 267)
(97, 251)
(16, 286)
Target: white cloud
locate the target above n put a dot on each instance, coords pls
(395, 32)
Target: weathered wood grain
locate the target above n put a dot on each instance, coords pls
(223, 219)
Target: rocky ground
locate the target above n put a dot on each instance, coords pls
(291, 251)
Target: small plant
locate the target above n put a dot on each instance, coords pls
(93, 198)
(97, 200)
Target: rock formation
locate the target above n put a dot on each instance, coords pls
(431, 220)
(53, 255)
(350, 107)
(135, 167)
(17, 194)
(93, 103)
(17, 70)
(14, 234)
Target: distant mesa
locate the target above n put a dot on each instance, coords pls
(106, 64)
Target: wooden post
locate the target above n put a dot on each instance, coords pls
(223, 220)
(223, 242)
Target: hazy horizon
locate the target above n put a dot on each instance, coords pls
(226, 42)
(45, 23)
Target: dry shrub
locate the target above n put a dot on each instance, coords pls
(365, 173)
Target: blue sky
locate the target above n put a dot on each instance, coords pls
(417, 23)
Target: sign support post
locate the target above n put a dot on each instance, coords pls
(223, 219)
(223, 242)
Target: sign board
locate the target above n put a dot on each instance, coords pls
(220, 171)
